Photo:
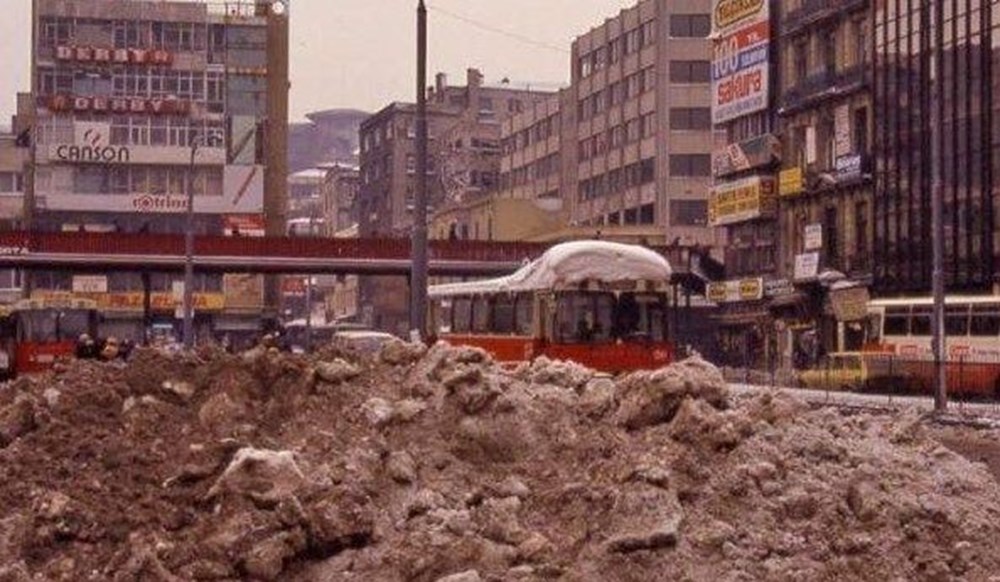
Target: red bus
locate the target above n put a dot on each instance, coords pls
(37, 333)
(601, 304)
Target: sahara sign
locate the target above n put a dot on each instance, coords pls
(740, 59)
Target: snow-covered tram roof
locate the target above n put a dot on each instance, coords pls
(569, 264)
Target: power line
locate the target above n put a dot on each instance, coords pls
(501, 32)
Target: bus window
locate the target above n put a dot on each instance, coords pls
(920, 322)
(481, 315)
(897, 321)
(985, 320)
(524, 308)
(956, 320)
(462, 315)
(503, 314)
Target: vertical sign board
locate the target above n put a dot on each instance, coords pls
(740, 58)
(841, 131)
(813, 237)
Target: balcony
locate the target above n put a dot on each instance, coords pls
(813, 12)
(828, 84)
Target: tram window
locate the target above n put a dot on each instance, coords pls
(462, 316)
(524, 314)
(481, 315)
(38, 326)
(985, 320)
(897, 322)
(73, 324)
(920, 322)
(443, 316)
(503, 314)
(640, 316)
(956, 321)
(585, 317)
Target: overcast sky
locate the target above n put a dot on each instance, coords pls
(360, 53)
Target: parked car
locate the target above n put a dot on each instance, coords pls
(365, 341)
(837, 371)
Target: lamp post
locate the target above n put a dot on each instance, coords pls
(189, 251)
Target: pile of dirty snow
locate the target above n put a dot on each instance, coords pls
(438, 465)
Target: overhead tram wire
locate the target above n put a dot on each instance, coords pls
(495, 30)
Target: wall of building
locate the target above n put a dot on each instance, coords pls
(121, 90)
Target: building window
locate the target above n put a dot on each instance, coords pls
(690, 165)
(633, 41)
(690, 25)
(690, 118)
(10, 182)
(860, 42)
(861, 130)
(800, 61)
(861, 233)
(648, 125)
(647, 214)
(647, 79)
(690, 71)
(689, 213)
(585, 66)
(831, 239)
(828, 48)
(647, 33)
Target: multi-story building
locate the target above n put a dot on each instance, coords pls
(139, 102)
(329, 136)
(825, 186)
(640, 135)
(339, 194)
(463, 162)
(532, 143)
(936, 78)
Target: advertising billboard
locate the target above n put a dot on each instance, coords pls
(740, 58)
(742, 200)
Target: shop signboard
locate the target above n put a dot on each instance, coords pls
(737, 290)
(807, 266)
(791, 182)
(850, 304)
(740, 58)
(243, 193)
(90, 284)
(741, 200)
(746, 155)
(848, 167)
(813, 238)
(160, 301)
(244, 225)
(243, 290)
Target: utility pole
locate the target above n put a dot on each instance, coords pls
(418, 249)
(937, 208)
(189, 253)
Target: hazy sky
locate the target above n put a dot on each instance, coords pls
(360, 53)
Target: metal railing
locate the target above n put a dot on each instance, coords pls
(815, 11)
(972, 380)
(821, 85)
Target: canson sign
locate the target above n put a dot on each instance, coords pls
(98, 154)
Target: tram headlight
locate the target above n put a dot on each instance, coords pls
(4, 360)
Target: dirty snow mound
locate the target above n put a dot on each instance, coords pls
(417, 464)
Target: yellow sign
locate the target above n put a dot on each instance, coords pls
(132, 301)
(741, 200)
(751, 289)
(791, 182)
(730, 12)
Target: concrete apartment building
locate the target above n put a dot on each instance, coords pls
(824, 110)
(533, 163)
(464, 163)
(122, 89)
(640, 135)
